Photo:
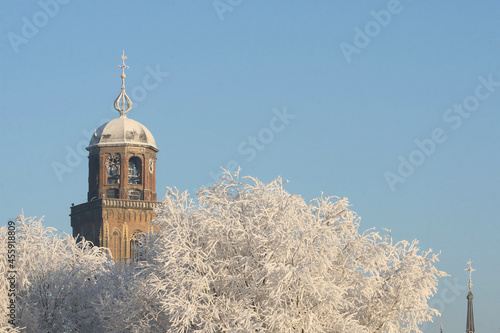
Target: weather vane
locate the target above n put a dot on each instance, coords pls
(123, 103)
(123, 66)
(470, 270)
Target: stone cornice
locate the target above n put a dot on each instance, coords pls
(114, 203)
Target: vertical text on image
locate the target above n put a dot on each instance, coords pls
(11, 273)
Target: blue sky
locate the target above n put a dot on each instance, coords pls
(394, 105)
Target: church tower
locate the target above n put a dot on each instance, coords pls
(469, 328)
(122, 183)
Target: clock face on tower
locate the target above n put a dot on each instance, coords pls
(113, 167)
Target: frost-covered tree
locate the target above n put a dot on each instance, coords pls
(245, 257)
(250, 257)
(126, 304)
(56, 279)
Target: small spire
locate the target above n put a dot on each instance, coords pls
(469, 327)
(123, 103)
(441, 328)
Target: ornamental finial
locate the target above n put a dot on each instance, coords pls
(470, 270)
(123, 66)
(123, 103)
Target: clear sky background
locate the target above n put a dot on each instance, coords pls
(366, 98)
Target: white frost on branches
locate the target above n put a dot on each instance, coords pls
(251, 257)
(55, 280)
(245, 257)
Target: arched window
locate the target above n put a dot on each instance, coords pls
(137, 239)
(134, 170)
(113, 168)
(112, 193)
(116, 245)
(135, 194)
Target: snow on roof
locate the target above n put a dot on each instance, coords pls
(122, 131)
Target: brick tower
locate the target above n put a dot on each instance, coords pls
(122, 183)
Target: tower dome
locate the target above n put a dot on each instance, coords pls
(122, 131)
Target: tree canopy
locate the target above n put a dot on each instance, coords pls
(245, 256)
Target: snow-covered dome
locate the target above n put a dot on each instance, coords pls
(123, 131)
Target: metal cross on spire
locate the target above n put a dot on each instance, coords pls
(470, 270)
(123, 103)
